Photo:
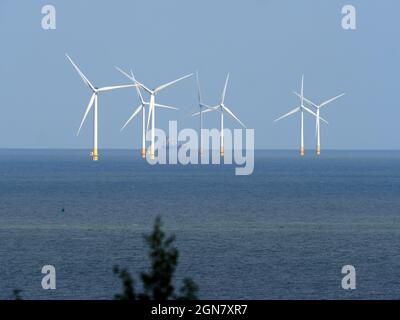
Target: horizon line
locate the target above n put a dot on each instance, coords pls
(256, 149)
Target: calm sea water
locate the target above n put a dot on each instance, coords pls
(282, 233)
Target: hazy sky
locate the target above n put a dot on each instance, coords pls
(265, 45)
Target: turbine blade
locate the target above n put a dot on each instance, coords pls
(140, 94)
(134, 80)
(203, 111)
(116, 87)
(231, 113)
(86, 112)
(132, 116)
(306, 100)
(171, 83)
(309, 111)
(85, 80)
(125, 74)
(164, 106)
(331, 100)
(132, 75)
(144, 87)
(288, 114)
(224, 91)
(137, 88)
(323, 120)
(202, 105)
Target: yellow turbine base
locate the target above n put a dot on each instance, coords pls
(152, 157)
(95, 155)
(302, 151)
(222, 151)
(318, 150)
(143, 153)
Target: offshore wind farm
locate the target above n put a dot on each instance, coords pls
(203, 108)
(290, 93)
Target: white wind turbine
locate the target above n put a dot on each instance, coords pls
(317, 119)
(221, 108)
(152, 104)
(142, 108)
(300, 109)
(202, 108)
(94, 101)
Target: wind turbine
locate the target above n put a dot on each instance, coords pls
(94, 101)
(152, 104)
(202, 108)
(137, 110)
(142, 108)
(300, 109)
(317, 120)
(221, 108)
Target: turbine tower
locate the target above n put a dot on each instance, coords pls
(300, 109)
(94, 101)
(318, 117)
(152, 104)
(221, 108)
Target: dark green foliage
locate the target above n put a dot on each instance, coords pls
(157, 283)
(188, 290)
(163, 256)
(17, 294)
(127, 284)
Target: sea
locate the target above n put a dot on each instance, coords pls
(284, 232)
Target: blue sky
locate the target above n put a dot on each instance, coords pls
(265, 45)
